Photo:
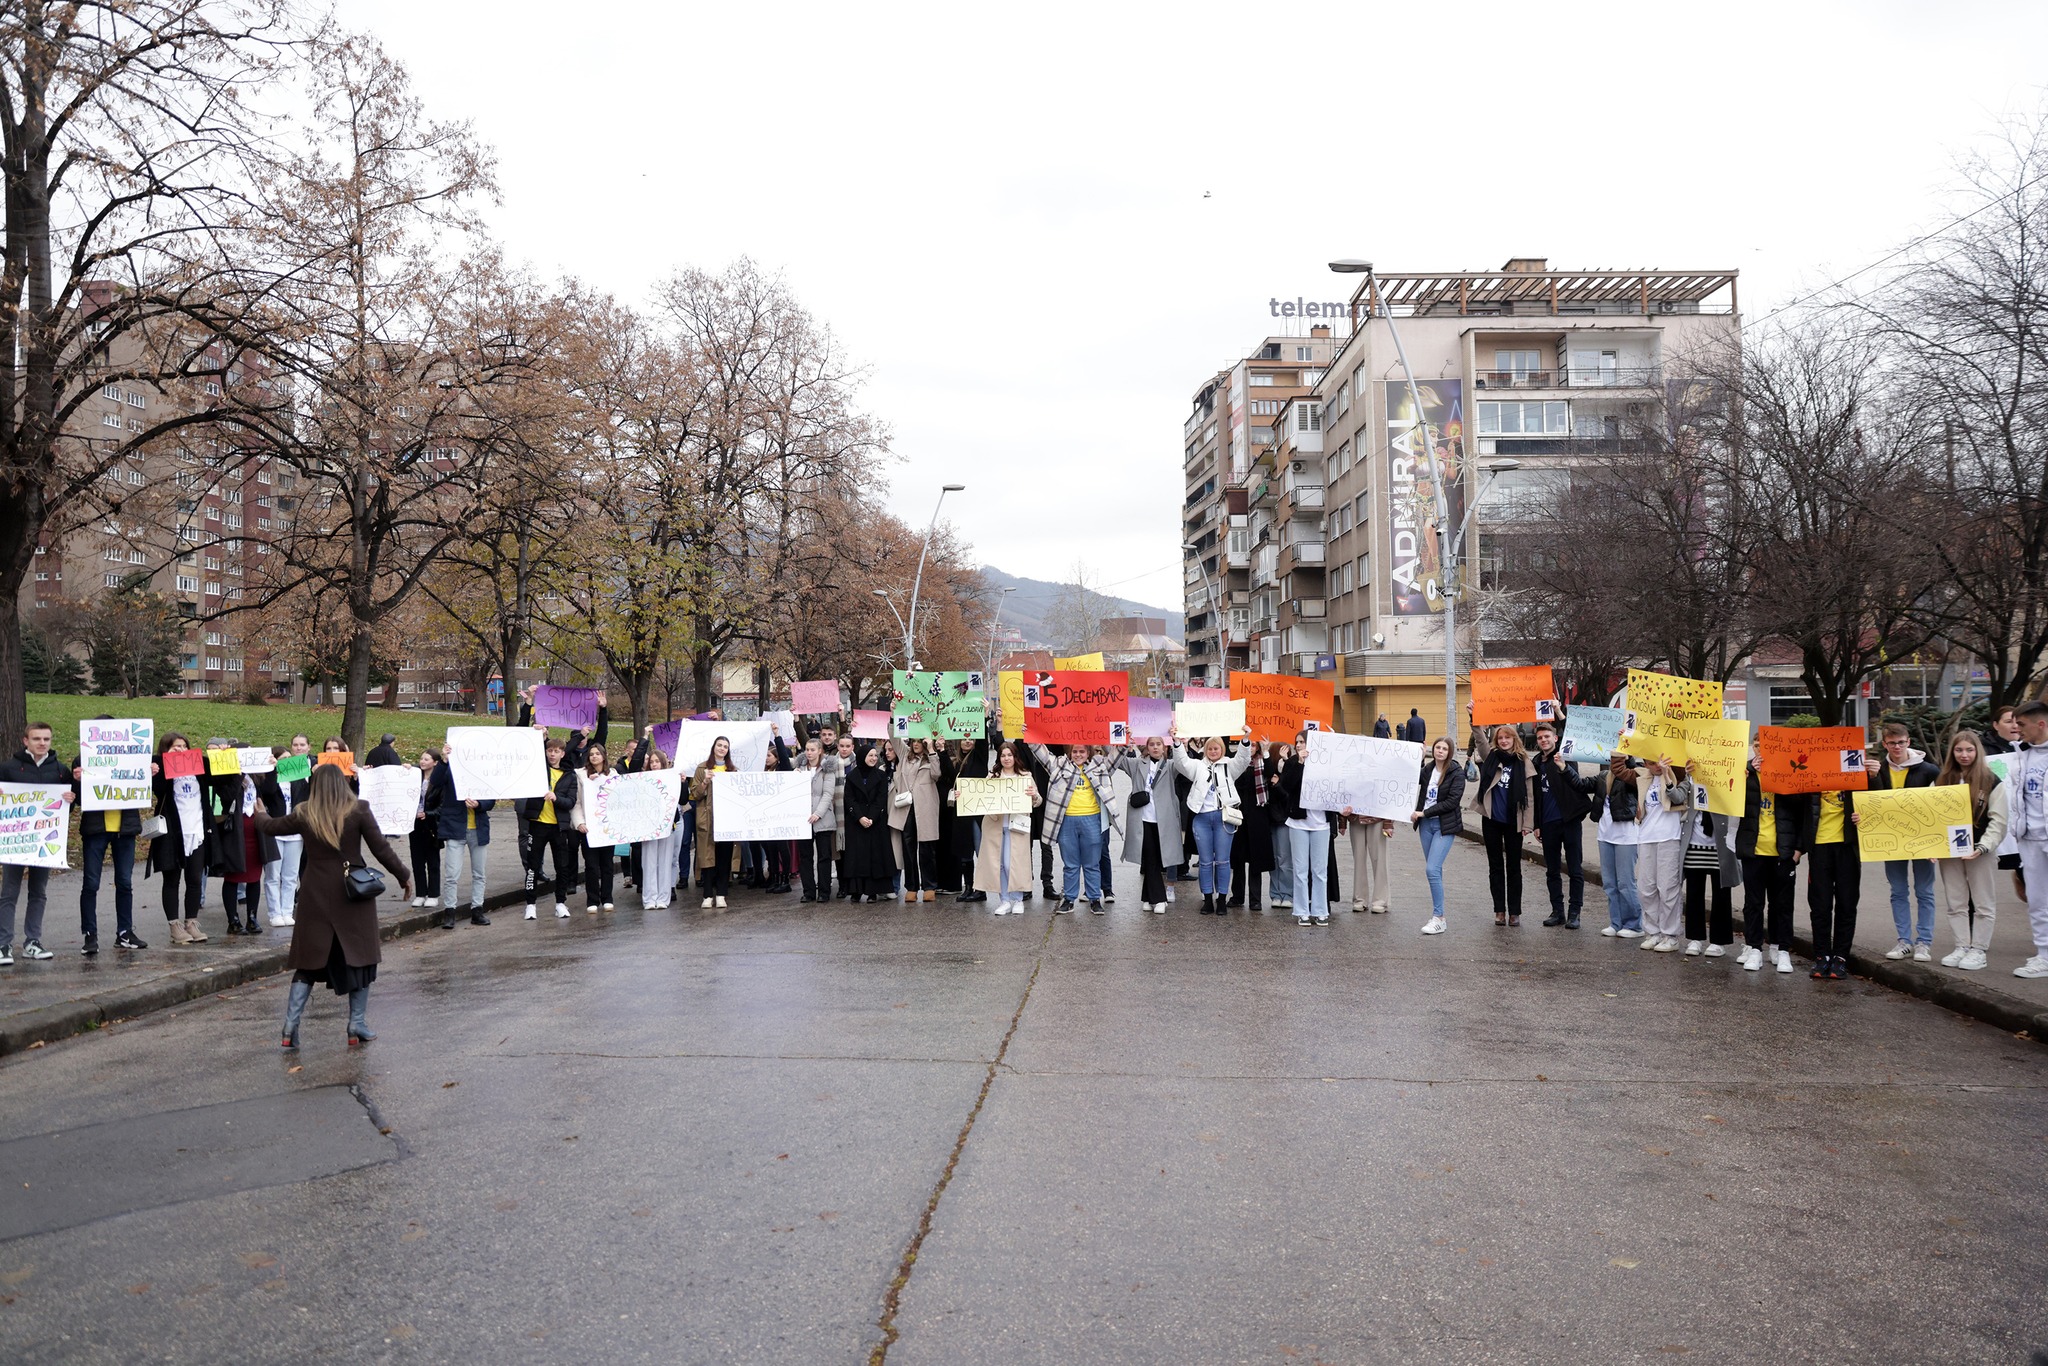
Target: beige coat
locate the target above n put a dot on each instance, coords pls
(988, 863)
(920, 778)
(700, 794)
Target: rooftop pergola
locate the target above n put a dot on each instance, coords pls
(1495, 291)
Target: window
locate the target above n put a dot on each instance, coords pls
(1261, 380)
(1304, 353)
(112, 391)
(111, 580)
(1517, 363)
(234, 664)
(42, 576)
(213, 637)
(212, 563)
(234, 520)
(263, 476)
(187, 584)
(1265, 407)
(213, 662)
(135, 477)
(1525, 419)
(111, 420)
(138, 557)
(1311, 378)
(263, 524)
(134, 424)
(213, 591)
(136, 400)
(263, 502)
(213, 391)
(213, 514)
(234, 495)
(1308, 416)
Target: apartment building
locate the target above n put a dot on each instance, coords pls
(1522, 372)
(1234, 422)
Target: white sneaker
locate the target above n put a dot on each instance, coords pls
(1002, 908)
(561, 911)
(1668, 944)
(1628, 934)
(1694, 948)
(1159, 908)
(1435, 925)
(1922, 954)
(721, 903)
(1751, 960)
(1784, 960)
(1109, 898)
(532, 912)
(2037, 966)
(1378, 908)
(1650, 942)
(432, 903)
(1898, 951)
(1954, 956)
(607, 905)
(707, 903)
(1609, 932)
(417, 902)
(1717, 950)
(1973, 959)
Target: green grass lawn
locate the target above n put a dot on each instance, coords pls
(272, 724)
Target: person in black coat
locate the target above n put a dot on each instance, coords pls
(102, 833)
(1502, 801)
(179, 854)
(33, 764)
(424, 842)
(1251, 846)
(1439, 795)
(547, 828)
(1560, 801)
(386, 754)
(870, 865)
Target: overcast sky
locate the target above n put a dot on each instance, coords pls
(1041, 228)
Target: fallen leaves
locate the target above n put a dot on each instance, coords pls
(257, 1261)
(1625, 1263)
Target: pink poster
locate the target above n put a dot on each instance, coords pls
(871, 725)
(814, 699)
(1150, 716)
(1194, 694)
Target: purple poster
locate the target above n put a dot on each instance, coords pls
(575, 708)
(1150, 716)
(665, 737)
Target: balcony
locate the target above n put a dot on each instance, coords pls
(1309, 609)
(1238, 556)
(1574, 377)
(1298, 553)
(1265, 625)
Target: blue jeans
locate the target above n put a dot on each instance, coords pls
(1922, 875)
(451, 867)
(1212, 851)
(1081, 856)
(281, 881)
(123, 848)
(1281, 880)
(1618, 875)
(11, 878)
(1436, 847)
(1309, 852)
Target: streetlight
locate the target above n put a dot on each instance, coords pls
(988, 661)
(910, 627)
(1215, 605)
(1448, 540)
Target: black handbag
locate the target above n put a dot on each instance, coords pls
(361, 883)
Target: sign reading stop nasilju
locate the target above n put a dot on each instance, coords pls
(1794, 759)
(1277, 706)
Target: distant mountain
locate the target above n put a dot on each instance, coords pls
(1035, 601)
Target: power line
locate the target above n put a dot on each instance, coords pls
(1900, 251)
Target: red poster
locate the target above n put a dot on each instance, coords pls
(184, 763)
(1810, 759)
(1510, 696)
(1075, 707)
(1276, 706)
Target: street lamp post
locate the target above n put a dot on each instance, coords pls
(1448, 540)
(910, 626)
(1215, 605)
(988, 659)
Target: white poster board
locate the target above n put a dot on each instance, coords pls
(630, 808)
(749, 740)
(761, 806)
(496, 763)
(393, 792)
(35, 824)
(1374, 777)
(256, 759)
(115, 757)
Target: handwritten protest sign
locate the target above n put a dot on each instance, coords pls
(991, 797)
(1511, 696)
(183, 763)
(631, 808)
(1150, 716)
(1076, 708)
(664, 738)
(345, 760)
(749, 741)
(255, 759)
(761, 806)
(1199, 720)
(1590, 734)
(115, 757)
(1717, 758)
(221, 762)
(1374, 777)
(1685, 699)
(783, 725)
(34, 824)
(1811, 759)
(495, 763)
(1089, 663)
(292, 767)
(393, 792)
(1010, 691)
(814, 699)
(871, 725)
(1914, 822)
(1195, 694)
(575, 708)
(938, 706)
(1276, 706)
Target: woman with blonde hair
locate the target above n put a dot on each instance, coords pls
(1966, 880)
(334, 935)
(1501, 799)
(914, 824)
(1003, 864)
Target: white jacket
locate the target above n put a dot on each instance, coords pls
(1224, 773)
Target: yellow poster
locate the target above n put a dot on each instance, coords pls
(1652, 735)
(220, 761)
(1089, 663)
(1686, 699)
(1010, 687)
(1716, 756)
(1914, 822)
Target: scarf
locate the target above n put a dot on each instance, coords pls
(1258, 781)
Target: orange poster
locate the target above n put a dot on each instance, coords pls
(1511, 696)
(1811, 759)
(1278, 705)
(343, 758)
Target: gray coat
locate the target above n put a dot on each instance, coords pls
(1166, 809)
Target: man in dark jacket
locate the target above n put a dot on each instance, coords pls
(462, 823)
(1561, 801)
(34, 764)
(547, 827)
(1414, 730)
(101, 833)
(1904, 766)
(385, 755)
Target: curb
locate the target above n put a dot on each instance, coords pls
(1995, 1008)
(47, 1024)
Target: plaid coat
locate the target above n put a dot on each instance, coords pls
(1064, 775)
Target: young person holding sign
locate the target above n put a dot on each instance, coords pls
(1439, 797)
(34, 764)
(1216, 810)
(1901, 767)
(1967, 884)
(2028, 774)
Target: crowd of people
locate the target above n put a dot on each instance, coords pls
(1225, 814)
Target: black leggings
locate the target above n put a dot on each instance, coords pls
(426, 862)
(542, 838)
(1151, 873)
(597, 875)
(1767, 901)
(252, 892)
(192, 868)
(1697, 921)
(814, 865)
(1503, 864)
(718, 877)
(1833, 884)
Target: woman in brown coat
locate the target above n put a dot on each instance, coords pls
(914, 821)
(1004, 864)
(334, 940)
(714, 860)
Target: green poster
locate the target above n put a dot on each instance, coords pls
(938, 706)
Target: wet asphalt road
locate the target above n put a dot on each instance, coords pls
(686, 1138)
